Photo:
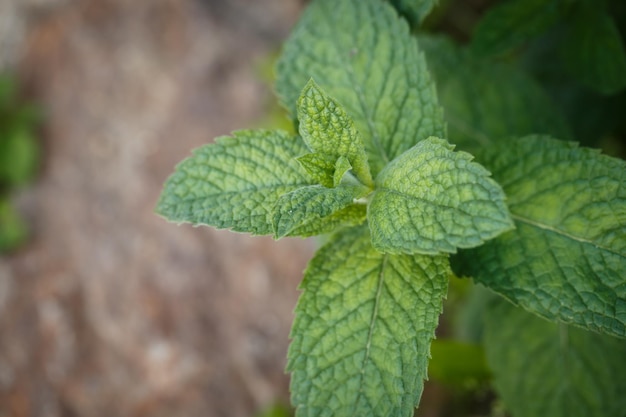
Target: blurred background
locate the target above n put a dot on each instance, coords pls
(106, 309)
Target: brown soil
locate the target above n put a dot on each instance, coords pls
(109, 310)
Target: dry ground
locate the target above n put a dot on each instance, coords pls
(111, 311)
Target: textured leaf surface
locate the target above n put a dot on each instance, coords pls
(566, 259)
(362, 54)
(363, 328)
(513, 22)
(594, 51)
(235, 182)
(414, 10)
(310, 204)
(431, 200)
(353, 215)
(328, 130)
(549, 369)
(323, 169)
(487, 102)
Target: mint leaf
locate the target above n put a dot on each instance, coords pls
(511, 23)
(414, 10)
(566, 258)
(363, 328)
(593, 50)
(312, 203)
(235, 182)
(327, 129)
(352, 215)
(362, 54)
(548, 369)
(431, 199)
(323, 169)
(488, 102)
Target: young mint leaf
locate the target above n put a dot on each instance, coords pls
(235, 182)
(431, 199)
(566, 258)
(312, 203)
(323, 169)
(363, 328)
(327, 129)
(414, 10)
(362, 54)
(548, 369)
(353, 215)
(511, 23)
(593, 50)
(488, 102)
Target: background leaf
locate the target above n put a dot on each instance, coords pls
(566, 259)
(593, 49)
(431, 199)
(235, 182)
(363, 328)
(548, 369)
(487, 102)
(362, 54)
(415, 11)
(511, 23)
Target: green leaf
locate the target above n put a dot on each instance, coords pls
(414, 10)
(235, 182)
(327, 129)
(13, 230)
(511, 23)
(353, 215)
(363, 328)
(322, 169)
(362, 54)
(548, 369)
(431, 200)
(458, 364)
(593, 50)
(488, 102)
(310, 204)
(19, 157)
(566, 258)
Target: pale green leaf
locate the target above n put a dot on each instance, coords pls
(414, 10)
(513, 22)
(594, 51)
(567, 256)
(327, 129)
(353, 215)
(488, 102)
(235, 182)
(549, 369)
(322, 168)
(310, 204)
(363, 328)
(431, 200)
(362, 54)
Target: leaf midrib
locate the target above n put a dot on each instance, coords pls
(381, 277)
(555, 230)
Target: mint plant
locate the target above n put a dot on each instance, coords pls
(538, 220)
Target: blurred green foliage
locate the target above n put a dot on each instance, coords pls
(19, 158)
